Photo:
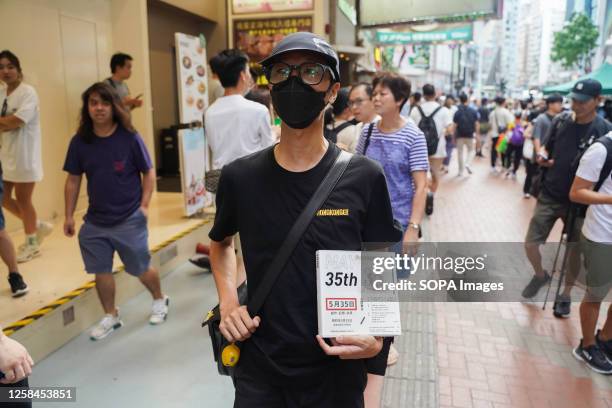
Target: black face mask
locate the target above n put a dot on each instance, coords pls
(296, 103)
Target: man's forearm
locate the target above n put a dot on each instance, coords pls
(71, 194)
(223, 266)
(148, 183)
(10, 122)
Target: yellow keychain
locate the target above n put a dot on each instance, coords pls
(230, 355)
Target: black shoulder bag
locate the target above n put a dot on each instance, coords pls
(257, 299)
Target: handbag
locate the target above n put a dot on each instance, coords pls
(257, 299)
(211, 180)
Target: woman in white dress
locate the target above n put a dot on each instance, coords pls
(20, 154)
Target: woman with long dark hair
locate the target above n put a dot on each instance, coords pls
(120, 180)
(21, 152)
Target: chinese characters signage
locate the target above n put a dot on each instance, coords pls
(453, 34)
(257, 37)
(266, 6)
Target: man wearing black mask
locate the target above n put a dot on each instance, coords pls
(283, 363)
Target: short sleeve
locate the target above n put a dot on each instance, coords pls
(225, 224)
(379, 223)
(142, 160)
(72, 164)
(265, 130)
(592, 162)
(361, 141)
(538, 129)
(28, 106)
(456, 116)
(418, 157)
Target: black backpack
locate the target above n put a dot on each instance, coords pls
(465, 121)
(428, 127)
(332, 134)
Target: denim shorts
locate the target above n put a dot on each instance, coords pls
(130, 240)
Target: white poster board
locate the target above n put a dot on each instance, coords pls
(192, 148)
(192, 77)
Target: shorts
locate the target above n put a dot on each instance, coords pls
(597, 260)
(378, 365)
(130, 240)
(545, 215)
(256, 391)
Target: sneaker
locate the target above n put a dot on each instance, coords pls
(429, 203)
(159, 311)
(526, 195)
(44, 230)
(562, 306)
(18, 286)
(604, 345)
(201, 261)
(393, 356)
(535, 285)
(494, 170)
(469, 169)
(594, 358)
(513, 176)
(27, 252)
(106, 326)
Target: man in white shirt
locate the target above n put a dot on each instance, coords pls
(235, 126)
(444, 122)
(593, 185)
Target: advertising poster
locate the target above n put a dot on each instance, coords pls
(267, 6)
(257, 37)
(192, 144)
(192, 77)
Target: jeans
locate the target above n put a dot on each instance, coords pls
(449, 150)
(494, 151)
(531, 169)
(514, 154)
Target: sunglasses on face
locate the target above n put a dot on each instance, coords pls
(311, 73)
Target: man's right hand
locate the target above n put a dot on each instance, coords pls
(236, 324)
(15, 361)
(69, 227)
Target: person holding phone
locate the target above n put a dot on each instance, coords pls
(121, 69)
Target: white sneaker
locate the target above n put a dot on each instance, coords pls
(494, 170)
(513, 176)
(106, 326)
(44, 230)
(27, 252)
(159, 311)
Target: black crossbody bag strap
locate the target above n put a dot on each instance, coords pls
(366, 144)
(297, 230)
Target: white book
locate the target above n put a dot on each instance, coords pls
(342, 310)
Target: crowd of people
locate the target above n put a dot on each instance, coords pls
(401, 142)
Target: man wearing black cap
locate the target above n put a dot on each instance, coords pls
(283, 363)
(568, 136)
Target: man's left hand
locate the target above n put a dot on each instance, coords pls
(352, 347)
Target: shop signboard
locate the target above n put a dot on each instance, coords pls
(192, 148)
(192, 85)
(257, 37)
(463, 33)
(192, 77)
(267, 6)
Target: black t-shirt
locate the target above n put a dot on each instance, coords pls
(465, 118)
(260, 200)
(563, 146)
(483, 114)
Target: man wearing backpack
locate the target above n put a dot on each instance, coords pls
(593, 186)
(567, 139)
(435, 121)
(466, 125)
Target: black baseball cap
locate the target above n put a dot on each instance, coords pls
(554, 98)
(305, 41)
(585, 90)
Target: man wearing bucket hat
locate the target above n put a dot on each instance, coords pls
(568, 137)
(283, 363)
